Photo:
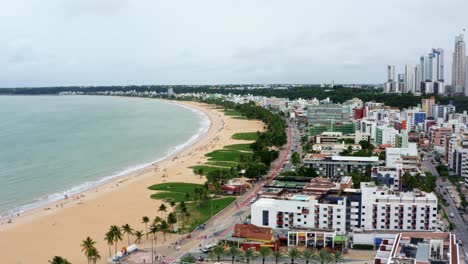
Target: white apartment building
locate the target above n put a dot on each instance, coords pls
(408, 157)
(367, 126)
(385, 135)
(301, 211)
(383, 209)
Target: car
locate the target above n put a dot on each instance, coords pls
(452, 215)
(208, 248)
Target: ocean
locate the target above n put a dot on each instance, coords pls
(51, 146)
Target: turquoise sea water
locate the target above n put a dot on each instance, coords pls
(56, 145)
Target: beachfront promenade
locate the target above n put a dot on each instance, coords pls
(219, 226)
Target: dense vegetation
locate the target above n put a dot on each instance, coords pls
(338, 94)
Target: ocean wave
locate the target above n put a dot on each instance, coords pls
(205, 124)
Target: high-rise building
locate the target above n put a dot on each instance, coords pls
(437, 63)
(391, 73)
(410, 79)
(459, 65)
(418, 78)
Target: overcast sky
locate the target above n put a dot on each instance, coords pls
(113, 42)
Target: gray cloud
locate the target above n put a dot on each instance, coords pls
(99, 42)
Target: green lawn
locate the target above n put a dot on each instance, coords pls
(231, 112)
(173, 190)
(199, 214)
(176, 187)
(245, 136)
(225, 155)
(226, 164)
(209, 169)
(169, 196)
(240, 147)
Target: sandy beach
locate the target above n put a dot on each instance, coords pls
(59, 228)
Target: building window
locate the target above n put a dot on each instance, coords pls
(338, 210)
(383, 220)
(266, 215)
(338, 223)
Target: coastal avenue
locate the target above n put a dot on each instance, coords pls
(221, 224)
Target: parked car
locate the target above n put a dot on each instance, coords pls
(208, 248)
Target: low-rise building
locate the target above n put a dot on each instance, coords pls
(338, 166)
(408, 157)
(419, 248)
(392, 177)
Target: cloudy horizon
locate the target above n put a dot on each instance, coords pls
(125, 42)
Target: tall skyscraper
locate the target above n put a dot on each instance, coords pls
(391, 73)
(459, 65)
(418, 78)
(410, 79)
(390, 85)
(438, 64)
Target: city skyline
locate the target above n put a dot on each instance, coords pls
(124, 42)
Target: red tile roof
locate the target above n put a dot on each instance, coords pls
(253, 232)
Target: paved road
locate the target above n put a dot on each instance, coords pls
(223, 223)
(460, 229)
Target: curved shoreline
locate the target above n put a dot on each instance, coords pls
(43, 234)
(135, 170)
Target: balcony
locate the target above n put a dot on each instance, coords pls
(279, 222)
(305, 211)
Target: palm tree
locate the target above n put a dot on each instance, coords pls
(294, 254)
(218, 251)
(127, 230)
(59, 260)
(307, 255)
(234, 252)
(250, 254)
(278, 256)
(322, 257)
(172, 203)
(116, 234)
(162, 208)
(145, 220)
(154, 229)
(138, 236)
(264, 253)
(109, 238)
(157, 220)
(164, 228)
(337, 257)
(87, 245)
(171, 219)
(94, 255)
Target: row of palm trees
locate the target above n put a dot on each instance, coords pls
(116, 234)
(294, 254)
